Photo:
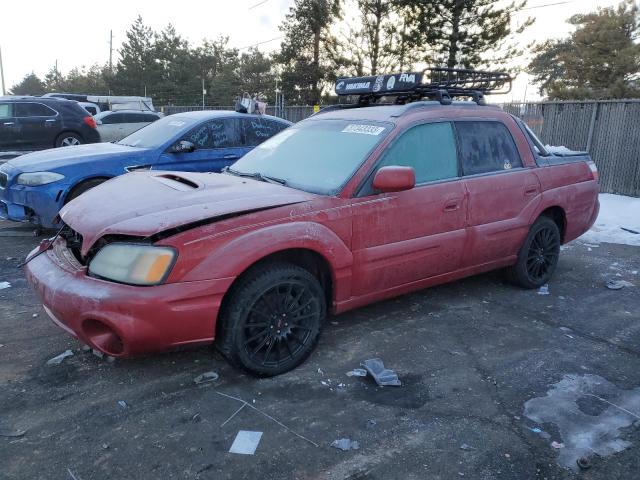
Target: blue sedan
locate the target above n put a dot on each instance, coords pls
(35, 186)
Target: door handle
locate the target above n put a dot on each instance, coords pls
(531, 190)
(8, 123)
(50, 120)
(451, 206)
(230, 157)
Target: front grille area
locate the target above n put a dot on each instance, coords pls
(74, 242)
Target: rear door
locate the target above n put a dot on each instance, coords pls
(218, 144)
(135, 121)
(502, 193)
(404, 237)
(8, 129)
(38, 124)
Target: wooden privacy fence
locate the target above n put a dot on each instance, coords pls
(608, 130)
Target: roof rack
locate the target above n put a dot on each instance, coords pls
(438, 83)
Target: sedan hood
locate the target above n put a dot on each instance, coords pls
(145, 203)
(61, 157)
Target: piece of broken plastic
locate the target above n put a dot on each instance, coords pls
(357, 372)
(613, 284)
(383, 376)
(206, 377)
(345, 444)
(544, 289)
(58, 360)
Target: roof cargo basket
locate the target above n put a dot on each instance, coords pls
(440, 84)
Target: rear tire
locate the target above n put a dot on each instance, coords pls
(83, 187)
(272, 320)
(68, 139)
(538, 256)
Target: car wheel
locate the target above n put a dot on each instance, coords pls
(83, 187)
(538, 256)
(272, 320)
(68, 139)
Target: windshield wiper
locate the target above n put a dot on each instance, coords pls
(255, 175)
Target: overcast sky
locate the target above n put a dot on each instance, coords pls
(34, 34)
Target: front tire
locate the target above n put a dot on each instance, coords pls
(538, 256)
(83, 187)
(69, 139)
(272, 320)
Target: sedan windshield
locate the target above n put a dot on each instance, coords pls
(317, 156)
(158, 133)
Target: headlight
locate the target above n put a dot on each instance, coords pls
(133, 263)
(33, 179)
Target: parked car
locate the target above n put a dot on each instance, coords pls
(33, 187)
(348, 207)
(34, 123)
(115, 125)
(108, 102)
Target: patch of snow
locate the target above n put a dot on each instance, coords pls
(4, 285)
(615, 211)
(559, 150)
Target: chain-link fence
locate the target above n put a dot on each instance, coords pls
(608, 130)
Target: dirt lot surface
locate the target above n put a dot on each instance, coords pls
(469, 354)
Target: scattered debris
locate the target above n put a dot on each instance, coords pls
(12, 433)
(246, 442)
(73, 477)
(320, 371)
(246, 404)
(34, 315)
(58, 360)
(196, 418)
(584, 463)
(614, 284)
(206, 377)
(357, 372)
(536, 430)
(464, 446)
(383, 376)
(544, 289)
(345, 444)
(371, 423)
(4, 285)
(630, 230)
(86, 348)
(97, 353)
(123, 404)
(555, 444)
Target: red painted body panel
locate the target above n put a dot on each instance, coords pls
(375, 246)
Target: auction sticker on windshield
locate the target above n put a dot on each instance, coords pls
(364, 129)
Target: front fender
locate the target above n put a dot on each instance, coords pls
(235, 256)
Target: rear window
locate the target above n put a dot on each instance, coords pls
(486, 147)
(219, 133)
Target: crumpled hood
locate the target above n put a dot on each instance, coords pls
(146, 203)
(46, 160)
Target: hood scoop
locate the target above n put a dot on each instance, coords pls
(177, 182)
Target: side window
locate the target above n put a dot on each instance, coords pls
(256, 130)
(219, 133)
(113, 118)
(6, 110)
(430, 149)
(33, 110)
(486, 147)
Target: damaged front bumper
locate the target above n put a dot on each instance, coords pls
(123, 320)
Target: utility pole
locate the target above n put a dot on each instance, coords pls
(110, 50)
(204, 92)
(2, 72)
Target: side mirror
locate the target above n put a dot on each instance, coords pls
(183, 146)
(394, 179)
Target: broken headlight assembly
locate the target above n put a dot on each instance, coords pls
(33, 179)
(134, 264)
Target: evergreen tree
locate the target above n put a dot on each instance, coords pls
(304, 51)
(53, 80)
(601, 59)
(463, 33)
(29, 85)
(136, 68)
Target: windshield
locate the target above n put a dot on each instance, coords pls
(157, 133)
(317, 156)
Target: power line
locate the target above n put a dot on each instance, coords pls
(260, 43)
(258, 4)
(548, 5)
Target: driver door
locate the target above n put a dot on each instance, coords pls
(408, 236)
(217, 145)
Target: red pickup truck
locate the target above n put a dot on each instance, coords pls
(351, 206)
